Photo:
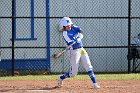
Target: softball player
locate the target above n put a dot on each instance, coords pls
(73, 34)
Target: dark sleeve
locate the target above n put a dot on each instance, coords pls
(80, 31)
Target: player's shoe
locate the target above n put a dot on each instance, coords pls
(59, 82)
(96, 86)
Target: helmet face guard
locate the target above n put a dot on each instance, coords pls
(68, 27)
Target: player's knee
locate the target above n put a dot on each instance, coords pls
(73, 74)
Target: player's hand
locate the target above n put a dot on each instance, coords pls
(78, 40)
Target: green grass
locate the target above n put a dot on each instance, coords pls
(78, 77)
(119, 77)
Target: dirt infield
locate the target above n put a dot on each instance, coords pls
(70, 86)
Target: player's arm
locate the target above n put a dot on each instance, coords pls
(69, 40)
(79, 31)
(80, 36)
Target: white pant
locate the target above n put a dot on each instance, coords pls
(76, 56)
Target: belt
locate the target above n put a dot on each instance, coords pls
(77, 47)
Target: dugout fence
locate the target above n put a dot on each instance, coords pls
(29, 35)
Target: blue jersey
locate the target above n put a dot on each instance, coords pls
(71, 36)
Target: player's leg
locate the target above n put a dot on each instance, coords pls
(74, 56)
(87, 65)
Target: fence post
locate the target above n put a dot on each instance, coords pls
(13, 29)
(129, 34)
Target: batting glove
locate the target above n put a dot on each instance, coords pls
(78, 40)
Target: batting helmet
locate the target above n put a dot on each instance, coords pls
(65, 21)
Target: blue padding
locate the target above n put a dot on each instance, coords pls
(25, 64)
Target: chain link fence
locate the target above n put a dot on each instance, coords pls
(29, 34)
